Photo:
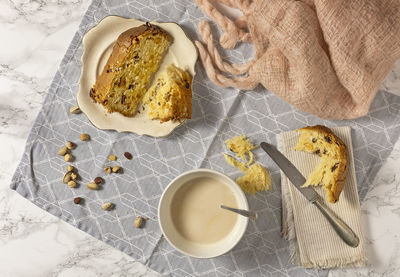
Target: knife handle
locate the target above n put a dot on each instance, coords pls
(341, 228)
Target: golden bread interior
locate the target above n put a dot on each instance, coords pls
(332, 170)
(170, 98)
(256, 178)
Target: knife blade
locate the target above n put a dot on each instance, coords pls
(297, 179)
(290, 171)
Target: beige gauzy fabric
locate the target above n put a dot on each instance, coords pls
(313, 242)
(324, 57)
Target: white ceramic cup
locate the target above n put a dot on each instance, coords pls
(195, 249)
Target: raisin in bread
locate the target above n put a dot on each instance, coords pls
(332, 170)
(135, 58)
(170, 98)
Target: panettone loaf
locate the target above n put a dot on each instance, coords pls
(135, 58)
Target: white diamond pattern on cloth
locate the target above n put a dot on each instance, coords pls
(218, 114)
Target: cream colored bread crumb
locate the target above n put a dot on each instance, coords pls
(170, 98)
(256, 178)
(242, 147)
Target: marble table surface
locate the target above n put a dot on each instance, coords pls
(35, 36)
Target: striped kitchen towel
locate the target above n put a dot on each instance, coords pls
(313, 242)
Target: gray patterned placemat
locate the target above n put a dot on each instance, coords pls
(218, 114)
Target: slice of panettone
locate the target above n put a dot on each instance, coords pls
(332, 170)
(170, 98)
(135, 58)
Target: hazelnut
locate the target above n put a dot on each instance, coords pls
(107, 169)
(98, 180)
(70, 168)
(116, 169)
(77, 200)
(128, 155)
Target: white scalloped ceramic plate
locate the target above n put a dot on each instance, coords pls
(97, 47)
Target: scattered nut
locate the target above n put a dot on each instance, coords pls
(74, 176)
(63, 151)
(139, 222)
(77, 200)
(67, 177)
(98, 180)
(112, 158)
(92, 186)
(70, 145)
(72, 184)
(107, 206)
(70, 168)
(75, 110)
(128, 155)
(84, 137)
(116, 169)
(107, 169)
(68, 157)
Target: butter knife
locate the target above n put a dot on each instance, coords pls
(297, 179)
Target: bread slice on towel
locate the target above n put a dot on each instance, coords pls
(135, 58)
(332, 170)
